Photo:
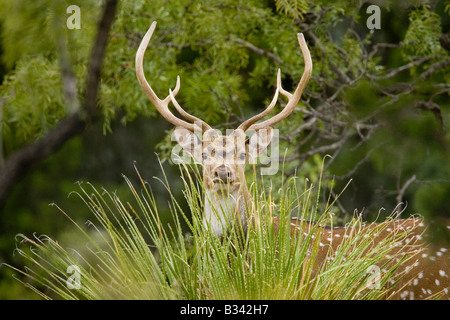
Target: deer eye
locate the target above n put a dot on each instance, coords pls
(242, 156)
(204, 156)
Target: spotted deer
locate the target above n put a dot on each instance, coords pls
(426, 273)
(227, 198)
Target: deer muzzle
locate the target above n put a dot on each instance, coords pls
(223, 174)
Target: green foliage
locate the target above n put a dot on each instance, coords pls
(38, 76)
(212, 84)
(424, 31)
(33, 90)
(292, 8)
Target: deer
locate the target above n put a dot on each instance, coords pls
(227, 198)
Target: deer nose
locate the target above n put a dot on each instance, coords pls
(223, 173)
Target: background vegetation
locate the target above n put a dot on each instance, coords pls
(377, 102)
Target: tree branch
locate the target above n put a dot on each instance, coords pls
(394, 72)
(95, 63)
(402, 191)
(258, 50)
(2, 157)
(20, 161)
(434, 68)
(315, 42)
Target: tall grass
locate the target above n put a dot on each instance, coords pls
(130, 254)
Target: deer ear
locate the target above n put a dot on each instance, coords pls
(259, 142)
(189, 142)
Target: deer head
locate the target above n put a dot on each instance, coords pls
(223, 157)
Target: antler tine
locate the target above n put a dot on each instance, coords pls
(188, 116)
(295, 97)
(162, 105)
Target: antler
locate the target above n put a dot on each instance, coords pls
(163, 105)
(292, 98)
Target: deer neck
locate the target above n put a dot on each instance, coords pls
(226, 206)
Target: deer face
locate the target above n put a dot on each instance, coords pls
(224, 157)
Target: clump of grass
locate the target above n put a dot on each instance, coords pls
(130, 255)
